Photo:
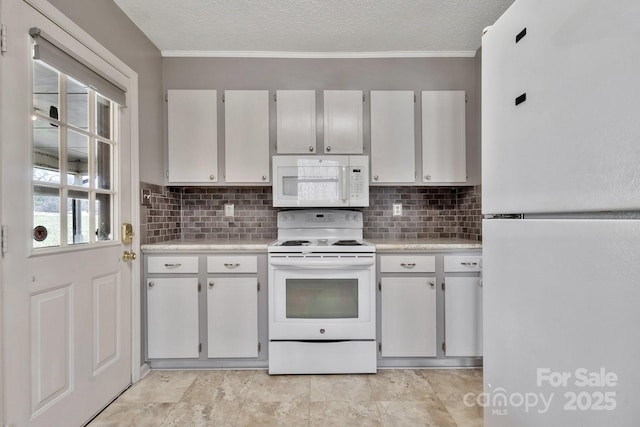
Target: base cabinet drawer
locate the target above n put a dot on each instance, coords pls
(232, 264)
(172, 264)
(172, 318)
(462, 264)
(407, 264)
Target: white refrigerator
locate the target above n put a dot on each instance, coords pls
(561, 206)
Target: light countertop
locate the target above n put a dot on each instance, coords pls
(225, 245)
(424, 244)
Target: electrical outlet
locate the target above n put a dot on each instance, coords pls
(397, 209)
(228, 209)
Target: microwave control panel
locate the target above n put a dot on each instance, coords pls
(358, 181)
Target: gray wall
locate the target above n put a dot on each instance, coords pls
(365, 74)
(108, 24)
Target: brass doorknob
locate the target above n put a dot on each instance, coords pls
(128, 256)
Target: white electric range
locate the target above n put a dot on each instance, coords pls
(321, 294)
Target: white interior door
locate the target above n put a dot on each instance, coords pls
(67, 306)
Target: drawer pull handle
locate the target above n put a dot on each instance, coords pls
(232, 265)
(521, 34)
(173, 265)
(469, 263)
(408, 265)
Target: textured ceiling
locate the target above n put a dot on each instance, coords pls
(252, 27)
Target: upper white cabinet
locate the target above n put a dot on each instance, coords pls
(343, 112)
(246, 121)
(192, 136)
(443, 137)
(296, 121)
(393, 143)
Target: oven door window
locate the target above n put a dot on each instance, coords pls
(322, 298)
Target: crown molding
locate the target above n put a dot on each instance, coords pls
(316, 55)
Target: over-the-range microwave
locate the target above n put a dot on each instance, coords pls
(320, 181)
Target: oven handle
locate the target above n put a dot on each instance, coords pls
(297, 264)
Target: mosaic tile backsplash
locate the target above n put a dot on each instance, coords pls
(198, 213)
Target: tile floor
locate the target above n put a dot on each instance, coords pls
(403, 397)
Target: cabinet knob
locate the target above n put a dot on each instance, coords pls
(432, 284)
(211, 284)
(264, 177)
(311, 148)
(427, 177)
(212, 177)
(328, 148)
(151, 284)
(375, 177)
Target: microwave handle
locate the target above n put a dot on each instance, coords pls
(343, 181)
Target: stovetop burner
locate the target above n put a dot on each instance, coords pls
(347, 243)
(296, 243)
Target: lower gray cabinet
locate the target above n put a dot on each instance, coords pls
(204, 310)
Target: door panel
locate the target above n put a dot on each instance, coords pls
(561, 295)
(52, 347)
(106, 327)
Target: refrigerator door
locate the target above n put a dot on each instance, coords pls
(561, 316)
(560, 128)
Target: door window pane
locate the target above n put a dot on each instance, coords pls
(77, 104)
(46, 217)
(103, 117)
(46, 151)
(78, 217)
(322, 298)
(103, 165)
(104, 217)
(77, 159)
(45, 90)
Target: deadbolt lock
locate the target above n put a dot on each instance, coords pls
(126, 233)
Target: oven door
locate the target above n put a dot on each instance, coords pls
(322, 299)
(310, 181)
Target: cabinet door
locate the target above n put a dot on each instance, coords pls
(246, 120)
(232, 317)
(443, 137)
(172, 318)
(463, 316)
(296, 121)
(192, 136)
(408, 317)
(343, 122)
(393, 143)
